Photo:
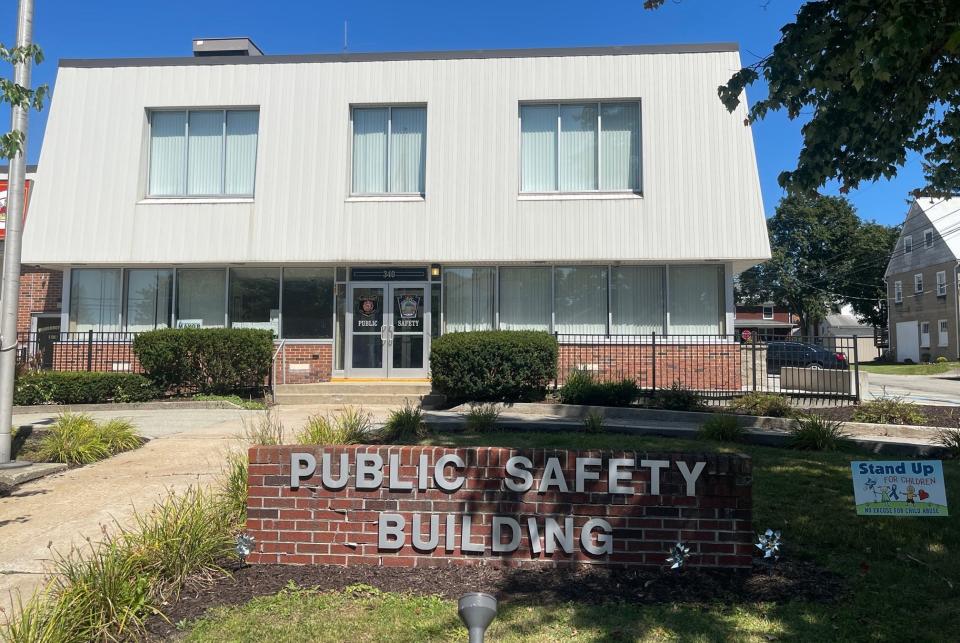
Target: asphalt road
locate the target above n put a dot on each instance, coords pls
(938, 390)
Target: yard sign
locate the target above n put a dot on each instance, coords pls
(899, 488)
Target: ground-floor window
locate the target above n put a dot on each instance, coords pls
(468, 295)
(307, 303)
(95, 297)
(255, 298)
(202, 298)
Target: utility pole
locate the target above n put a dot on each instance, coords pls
(10, 293)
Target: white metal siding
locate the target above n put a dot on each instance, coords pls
(701, 189)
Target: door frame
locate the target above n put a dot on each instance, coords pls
(387, 331)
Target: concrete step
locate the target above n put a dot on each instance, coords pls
(359, 399)
(356, 388)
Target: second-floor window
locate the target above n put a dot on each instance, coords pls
(908, 244)
(586, 147)
(389, 150)
(928, 238)
(897, 292)
(941, 283)
(918, 282)
(768, 312)
(203, 153)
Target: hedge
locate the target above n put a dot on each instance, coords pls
(205, 360)
(56, 387)
(502, 366)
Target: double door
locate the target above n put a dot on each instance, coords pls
(388, 330)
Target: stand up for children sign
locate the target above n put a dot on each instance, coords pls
(899, 488)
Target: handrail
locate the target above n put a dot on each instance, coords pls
(273, 369)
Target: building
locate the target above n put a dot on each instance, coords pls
(360, 204)
(768, 320)
(921, 278)
(837, 330)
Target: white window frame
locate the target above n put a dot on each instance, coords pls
(765, 315)
(597, 155)
(907, 244)
(928, 238)
(388, 194)
(898, 292)
(924, 334)
(918, 283)
(941, 283)
(943, 332)
(186, 153)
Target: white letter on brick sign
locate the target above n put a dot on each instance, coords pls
(604, 538)
(553, 477)
(395, 481)
(691, 476)
(438, 476)
(498, 523)
(517, 467)
(328, 480)
(465, 527)
(390, 534)
(433, 539)
(369, 471)
(553, 535)
(655, 466)
(302, 465)
(615, 476)
(583, 475)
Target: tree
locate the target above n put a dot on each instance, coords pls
(863, 287)
(17, 95)
(882, 77)
(809, 238)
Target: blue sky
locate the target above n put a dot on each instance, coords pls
(131, 28)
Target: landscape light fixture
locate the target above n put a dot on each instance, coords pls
(477, 610)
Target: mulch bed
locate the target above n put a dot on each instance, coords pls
(945, 416)
(778, 583)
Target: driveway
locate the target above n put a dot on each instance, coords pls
(937, 390)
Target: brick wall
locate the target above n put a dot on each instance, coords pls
(305, 363)
(114, 356)
(713, 367)
(314, 524)
(41, 291)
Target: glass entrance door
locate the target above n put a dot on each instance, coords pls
(387, 324)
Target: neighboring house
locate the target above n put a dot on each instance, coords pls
(768, 320)
(838, 329)
(358, 205)
(922, 282)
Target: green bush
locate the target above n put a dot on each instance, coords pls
(349, 426)
(722, 428)
(889, 410)
(206, 360)
(582, 388)
(678, 398)
(765, 404)
(502, 366)
(232, 486)
(57, 387)
(942, 360)
(816, 433)
(78, 439)
(593, 423)
(482, 418)
(403, 425)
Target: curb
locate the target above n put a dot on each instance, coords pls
(125, 406)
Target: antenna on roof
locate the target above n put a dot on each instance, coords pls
(344, 36)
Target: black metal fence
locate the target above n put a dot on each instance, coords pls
(810, 370)
(77, 351)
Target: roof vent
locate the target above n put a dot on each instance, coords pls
(225, 47)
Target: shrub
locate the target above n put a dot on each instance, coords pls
(264, 429)
(678, 398)
(78, 439)
(949, 439)
(722, 428)
(582, 388)
(942, 360)
(482, 418)
(593, 422)
(816, 433)
(206, 360)
(765, 404)
(889, 410)
(349, 426)
(403, 425)
(57, 387)
(506, 366)
(232, 487)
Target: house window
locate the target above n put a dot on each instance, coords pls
(580, 147)
(768, 312)
(918, 282)
(580, 299)
(206, 153)
(943, 338)
(255, 298)
(928, 238)
(908, 244)
(468, 299)
(924, 334)
(696, 300)
(898, 292)
(149, 299)
(941, 284)
(636, 300)
(95, 299)
(389, 150)
(201, 298)
(525, 298)
(307, 303)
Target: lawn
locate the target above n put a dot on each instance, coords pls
(911, 369)
(901, 574)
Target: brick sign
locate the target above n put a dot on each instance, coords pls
(416, 506)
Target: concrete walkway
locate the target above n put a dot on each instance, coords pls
(937, 390)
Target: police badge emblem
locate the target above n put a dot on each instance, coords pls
(408, 305)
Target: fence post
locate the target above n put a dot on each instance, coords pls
(556, 376)
(89, 350)
(856, 369)
(753, 357)
(653, 356)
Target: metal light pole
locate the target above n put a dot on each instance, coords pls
(10, 293)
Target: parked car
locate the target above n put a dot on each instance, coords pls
(802, 355)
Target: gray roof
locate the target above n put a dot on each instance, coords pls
(627, 50)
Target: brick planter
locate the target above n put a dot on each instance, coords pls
(305, 521)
